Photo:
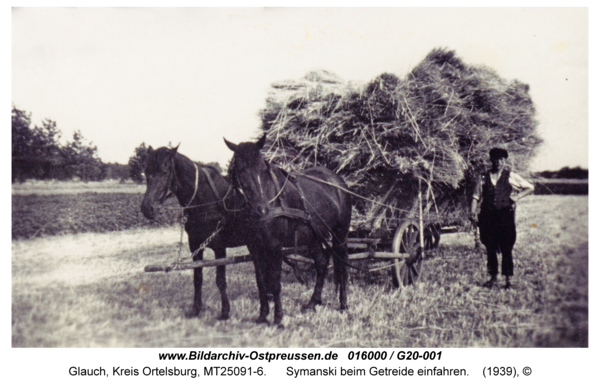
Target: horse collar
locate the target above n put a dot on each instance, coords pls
(283, 210)
(212, 185)
(195, 185)
(175, 186)
(278, 189)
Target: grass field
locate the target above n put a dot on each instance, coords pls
(89, 290)
(49, 187)
(60, 214)
(49, 208)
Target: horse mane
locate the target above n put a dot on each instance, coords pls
(158, 155)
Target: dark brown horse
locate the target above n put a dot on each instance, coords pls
(208, 203)
(305, 209)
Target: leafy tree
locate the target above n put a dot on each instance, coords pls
(36, 151)
(21, 138)
(21, 132)
(81, 159)
(116, 171)
(137, 163)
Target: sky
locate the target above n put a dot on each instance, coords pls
(191, 76)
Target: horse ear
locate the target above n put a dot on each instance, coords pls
(261, 142)
(174, 150)
(232, 146)
(150, 149)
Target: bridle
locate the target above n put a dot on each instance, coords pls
(236, 183)
(274, 178)
(282, 210)
(173, 185)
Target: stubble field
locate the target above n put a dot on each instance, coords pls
(89, 290)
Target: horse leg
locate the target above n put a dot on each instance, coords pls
(197, 308)
(339, 251)
(340, 259)
(321, 262)
(262, 288)
(220, 253)
(274, 283)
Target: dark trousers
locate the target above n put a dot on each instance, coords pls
(498, 234)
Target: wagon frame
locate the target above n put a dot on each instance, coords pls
(405, 250)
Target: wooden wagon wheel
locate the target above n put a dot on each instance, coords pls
(433, 233)
(406, 240)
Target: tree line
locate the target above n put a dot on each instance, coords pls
(576, 173)
(37, 153)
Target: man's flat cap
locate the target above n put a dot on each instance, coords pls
(498, 153)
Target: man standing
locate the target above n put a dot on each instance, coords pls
(497, 216)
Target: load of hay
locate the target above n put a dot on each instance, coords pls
(432, 129)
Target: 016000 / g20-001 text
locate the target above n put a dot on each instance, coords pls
(402, 355)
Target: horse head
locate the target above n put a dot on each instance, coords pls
(250, 175)
(160, 178)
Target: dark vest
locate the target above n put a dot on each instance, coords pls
(498, 196)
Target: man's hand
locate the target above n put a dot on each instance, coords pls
(473, 219)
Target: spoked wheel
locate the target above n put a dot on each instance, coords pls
(432, 237)
(406, 240)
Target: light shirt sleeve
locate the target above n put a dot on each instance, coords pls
(519, 182)
(478, 189)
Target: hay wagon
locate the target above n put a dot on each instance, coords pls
(434, 126)
(402, 241)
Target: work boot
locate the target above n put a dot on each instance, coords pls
(490, 283)
(507, 285)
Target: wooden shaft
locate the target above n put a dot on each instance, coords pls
(363, 240)
(299, 258)
(197, 264)
(246, 258)
(421, 230)
(377, 255)
(358, 245)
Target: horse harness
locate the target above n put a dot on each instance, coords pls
(219, 201)
(298, 214)
(218, 216)
(283, 210)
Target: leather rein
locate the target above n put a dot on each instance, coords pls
(174, 183)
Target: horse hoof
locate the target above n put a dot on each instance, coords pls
(223, 317)
(489, 284)
(194, 312)
(280, 326)
(343, 308)
(309, 307)
(262, 320)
